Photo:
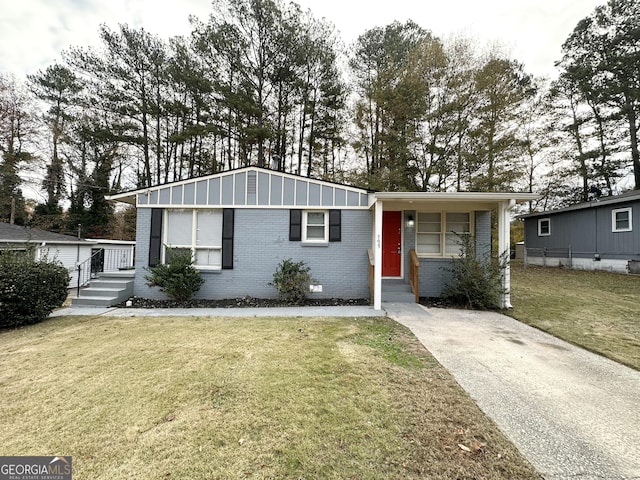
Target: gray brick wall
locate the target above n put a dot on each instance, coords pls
(143, 232)
(434, 276)
(261, 241)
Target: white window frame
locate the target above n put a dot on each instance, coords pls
(614, 218)
(540, 221)
(304, 237)
(194, 236)
(443, 233)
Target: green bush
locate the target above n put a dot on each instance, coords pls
(177, 278)
(29, 289)
(292, 280)
(476, 282)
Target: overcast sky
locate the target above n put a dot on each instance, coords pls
(33, 33)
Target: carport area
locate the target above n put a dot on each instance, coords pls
(571, 413)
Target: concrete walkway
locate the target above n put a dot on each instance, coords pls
(328, 311)
(572, 414)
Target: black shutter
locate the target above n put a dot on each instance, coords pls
(155, 239)
(295, 225)
(227, 238)
(335, 225)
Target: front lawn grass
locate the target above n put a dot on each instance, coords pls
(599, 311)
(223, 398)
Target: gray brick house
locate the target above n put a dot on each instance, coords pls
(240, 224)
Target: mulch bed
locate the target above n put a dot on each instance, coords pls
(245, 302)
(436, 302)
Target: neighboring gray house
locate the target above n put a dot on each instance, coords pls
(240, 224)
(602, 234)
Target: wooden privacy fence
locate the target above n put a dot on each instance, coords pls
(546, 253)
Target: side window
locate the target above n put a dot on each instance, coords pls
(544, 227)
(315, 226)
(621, 220)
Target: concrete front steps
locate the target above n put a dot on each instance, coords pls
(397, 291)
(110, 288)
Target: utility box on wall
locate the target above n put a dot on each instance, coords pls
(634, 267)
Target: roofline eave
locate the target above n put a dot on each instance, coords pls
(487, 197)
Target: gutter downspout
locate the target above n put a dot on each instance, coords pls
(78, 260)
(504, 240)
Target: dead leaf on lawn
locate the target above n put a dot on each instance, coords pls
(477, 447)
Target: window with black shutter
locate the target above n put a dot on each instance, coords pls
(335, 226)
(228, 215)
(315, 226)
(295, 225)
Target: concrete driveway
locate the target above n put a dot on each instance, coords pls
(571, 413)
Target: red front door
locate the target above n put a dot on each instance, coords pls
(391, 243)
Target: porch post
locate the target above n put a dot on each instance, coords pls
(377, 255)
(504, 241)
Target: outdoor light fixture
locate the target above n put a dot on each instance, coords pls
(410, 221)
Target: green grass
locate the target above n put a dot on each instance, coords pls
(599, 311)
(220, 398)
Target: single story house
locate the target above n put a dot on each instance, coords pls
(69, 250)
(602, 234)
(240, 224)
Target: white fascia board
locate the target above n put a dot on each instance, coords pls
(127, 197)
(485, 197)
(42, 243)
(111, 242)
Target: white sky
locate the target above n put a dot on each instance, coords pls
(33, 33)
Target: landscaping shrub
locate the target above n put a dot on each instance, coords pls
(292, 280)
(29, 289)
(177, 278)
(476, 282)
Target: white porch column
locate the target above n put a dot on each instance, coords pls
(377, 255)
(504, 250)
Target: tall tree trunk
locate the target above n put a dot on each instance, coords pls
(633, 137)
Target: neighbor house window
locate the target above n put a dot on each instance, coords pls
(621, 220)
(544, 227)
(315, 226)
(199, 231)
(437, 233)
